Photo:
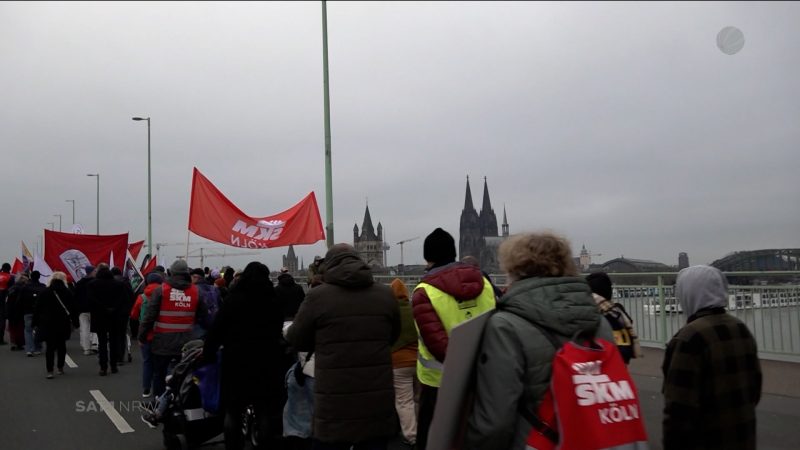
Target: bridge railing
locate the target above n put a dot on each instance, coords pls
(768, 302)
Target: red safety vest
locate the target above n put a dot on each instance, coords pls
(5, 280)
(177, 309)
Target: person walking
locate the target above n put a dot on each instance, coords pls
(84, 310)
(514, 359)
(350, 322)
(621, 323)
(290, 294)
(55, 317)
(6, 281)
(153, 280)
(171, 314)
(249, 328)
(28, 298)
(404, 365)
(107, 300)
(712, 375)
(14, 312)
(449, 294)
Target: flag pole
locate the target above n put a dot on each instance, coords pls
(327, 107)
(187, 246)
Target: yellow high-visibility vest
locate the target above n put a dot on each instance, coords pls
(451, 313)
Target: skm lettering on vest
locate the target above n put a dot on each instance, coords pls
(594, 388)
(180, 299)
(258, 235)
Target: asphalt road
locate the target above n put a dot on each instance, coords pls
(36, 413)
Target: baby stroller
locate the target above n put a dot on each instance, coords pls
(191, 403)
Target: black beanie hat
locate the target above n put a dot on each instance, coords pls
(600, 284)
(439, 247)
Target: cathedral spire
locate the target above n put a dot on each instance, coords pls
(367, 227)
(505, 222)
(487, 204)
(468, 200)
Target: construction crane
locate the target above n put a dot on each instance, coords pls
(401, 248)
(203, 255)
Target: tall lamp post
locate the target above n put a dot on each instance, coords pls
(59, 221)
(73, 210)
(327, 112)
(98, 199)
(149, 196)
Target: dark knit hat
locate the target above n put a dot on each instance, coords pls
(439, 247)
(198, 271)
(600, 284)
(179, 267)
(153, 277)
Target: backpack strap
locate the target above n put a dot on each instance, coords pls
(545, 429)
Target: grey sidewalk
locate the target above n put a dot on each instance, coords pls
(778, 411)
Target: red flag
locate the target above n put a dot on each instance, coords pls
(135, 248)
(17, 267)
(70, 253)
(150, 266)
(213, 216)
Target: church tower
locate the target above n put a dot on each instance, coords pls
(290, 261)
(487, 216)
(369, 245)
(470, 240)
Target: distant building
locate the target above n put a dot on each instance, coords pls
(683, 260)
(290, 261)
(628, 265)
(478, 234)
(369, 244)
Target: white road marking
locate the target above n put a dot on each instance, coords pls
(118, 421)
(70, 363)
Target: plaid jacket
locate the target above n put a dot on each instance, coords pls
(712, 384)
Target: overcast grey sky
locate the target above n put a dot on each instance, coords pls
(620, 125)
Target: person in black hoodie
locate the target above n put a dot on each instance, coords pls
(290, 294)
(29, 297)
(249, 326)
(81, 299)
(107, 300)
(55, 316)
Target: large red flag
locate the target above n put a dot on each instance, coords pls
(151, 265)
(135, 248)
(70, 253)
(214, 217)
(17, 267)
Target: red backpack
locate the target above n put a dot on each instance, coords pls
(592, 402)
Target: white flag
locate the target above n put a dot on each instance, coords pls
(43, 268)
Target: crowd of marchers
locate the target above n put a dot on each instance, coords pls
(347, 362)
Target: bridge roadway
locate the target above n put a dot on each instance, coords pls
(36, 413)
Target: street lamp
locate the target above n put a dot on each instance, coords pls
(73, 210)
(98, 199)
(59, 221)
(149, 197)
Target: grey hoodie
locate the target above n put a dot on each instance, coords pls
(700, 287)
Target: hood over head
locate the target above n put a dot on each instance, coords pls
(700, 287)
(286, 279)
(344, 268)
(563, 305)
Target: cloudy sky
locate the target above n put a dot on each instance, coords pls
(620, 125)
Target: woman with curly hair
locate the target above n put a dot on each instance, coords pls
(514, 361)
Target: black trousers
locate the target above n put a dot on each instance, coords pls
(108, 341)
(161, 367)
(427, 405)
(53, 346)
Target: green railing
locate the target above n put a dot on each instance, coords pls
(768, 302)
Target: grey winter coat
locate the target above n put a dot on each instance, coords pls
(169, 344)
(351, 323)
(514, 362)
